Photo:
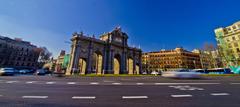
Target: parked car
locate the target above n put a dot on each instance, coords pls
(7, 71)
(155, 73)
(182, 74)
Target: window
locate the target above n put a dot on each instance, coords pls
(233, 38)
(228, 40)
(238, 50)
(235, 44)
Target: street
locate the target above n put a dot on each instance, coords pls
(47, 91)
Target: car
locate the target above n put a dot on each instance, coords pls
(7, 71)
(144, 73)
(155, 73)
(183, 74)
(40, 72)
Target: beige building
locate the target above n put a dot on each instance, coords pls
(165, 60)
(228, 40)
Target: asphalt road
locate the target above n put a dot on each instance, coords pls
(47, 91)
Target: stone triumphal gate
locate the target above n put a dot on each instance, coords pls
(108, 55)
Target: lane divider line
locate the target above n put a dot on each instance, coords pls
(116, 83)
(134, 97)
(83, 97)
(177, 96)
(94, 83)
(219, 94)
(186, 83)
(235, 83)
(71, 83)
(50, 82)
(35, 97)
(9, 82)
(140, 83)
(30, 82)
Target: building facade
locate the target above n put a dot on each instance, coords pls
(62, 61)
(209, 59)
(166, 60)
(108, 55)
(228, 40)
(18, 53)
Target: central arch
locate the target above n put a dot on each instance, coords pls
(117, 64)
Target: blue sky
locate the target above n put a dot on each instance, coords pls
(152, 24)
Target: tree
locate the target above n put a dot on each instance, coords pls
(44, 56)
(209, 47)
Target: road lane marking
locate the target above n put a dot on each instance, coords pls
(234, 83)
(140, 83)
(108, 81)
(187, 87)
(134, 97)
(83, 97)
(35, 97)
(219, 94)
(177, 96)
(94, 83)
(116, 83)
(185, 83)
(30, 82)
(9, 82)
(50, 82)
(71, 83)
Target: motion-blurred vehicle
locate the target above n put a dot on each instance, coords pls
(219, 71)
(182, 74)
(7, 71)
(40, 72)
(24, 71)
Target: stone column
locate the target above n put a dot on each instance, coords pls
(89, 60)
(73, 65)
(140, 62)
(111, 61)
(123, 62)
(134, 62)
